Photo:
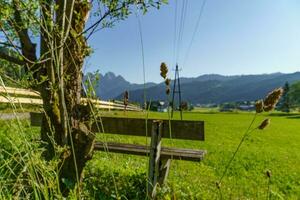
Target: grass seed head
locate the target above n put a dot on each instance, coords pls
(168, 90)
(272, 99)
(163, 70)
(259, 106)
(167, 81)
(218, 185)
(268, 173)
(264, 124)
(126, 97)
(66, 153)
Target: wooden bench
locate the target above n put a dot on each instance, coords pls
(159, 157)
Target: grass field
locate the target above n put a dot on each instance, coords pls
(277, 148)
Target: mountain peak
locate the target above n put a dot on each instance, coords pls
(110, 75)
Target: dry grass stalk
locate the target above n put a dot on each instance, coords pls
(268, 173)
(168, 90)
(167, 81)
(264, 124)
(126, 98)
(163, 73)
(163, 70)
(218, 185)
(272, 99)
(259, 106)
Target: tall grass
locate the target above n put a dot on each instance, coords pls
(23, 174)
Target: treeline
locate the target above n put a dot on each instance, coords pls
(293, 95)
(290, 99)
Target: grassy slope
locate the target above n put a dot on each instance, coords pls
(276, 148)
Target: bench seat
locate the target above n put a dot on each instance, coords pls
(142, 150)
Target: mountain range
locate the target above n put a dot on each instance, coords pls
(204, 89)
(110, 86)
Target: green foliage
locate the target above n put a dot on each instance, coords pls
(121, 9)
(284, 103)
(30, 17)
(12, 75)
(295, 95)
(90, 84)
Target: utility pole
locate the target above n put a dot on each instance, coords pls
(176, 91)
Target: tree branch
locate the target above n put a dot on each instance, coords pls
(96, 24)
(11, 59)
(28, 47)
(6, 44)
(110, 12)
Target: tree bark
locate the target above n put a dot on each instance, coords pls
(66, 122)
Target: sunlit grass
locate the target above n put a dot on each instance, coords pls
(276, 149)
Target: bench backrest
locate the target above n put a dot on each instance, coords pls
(180, 129)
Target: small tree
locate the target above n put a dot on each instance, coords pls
(294, 95)
(284, 103)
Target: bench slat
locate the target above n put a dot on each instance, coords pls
(181, 129)
(142, 150)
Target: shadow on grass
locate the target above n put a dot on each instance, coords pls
(294, 117)
(286, 115)
(106, 185)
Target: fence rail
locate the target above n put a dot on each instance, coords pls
(11, 95)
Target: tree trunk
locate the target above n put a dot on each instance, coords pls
(66, 122)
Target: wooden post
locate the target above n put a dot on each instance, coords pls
(154, 160)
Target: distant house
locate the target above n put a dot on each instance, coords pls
(227, 107)
(159, 106)
(246, 107)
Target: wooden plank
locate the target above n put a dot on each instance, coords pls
(180, 129)
(35, 101)
(26, 92)
(154, 158)
(121, 102)
(114, 107)
(18, 91)
(142, 150)
(24, 100)
(96, 101)
(21, 100)
(100, 102)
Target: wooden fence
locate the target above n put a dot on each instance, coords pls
(24, 96)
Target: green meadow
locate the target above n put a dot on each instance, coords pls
(276, 148)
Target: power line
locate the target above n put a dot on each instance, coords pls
(181, 27)
(195, 31)
(175, 33)
(143, 55)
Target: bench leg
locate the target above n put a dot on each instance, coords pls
(154, 160)
(164, 170)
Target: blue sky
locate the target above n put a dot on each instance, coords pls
(234, 37)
